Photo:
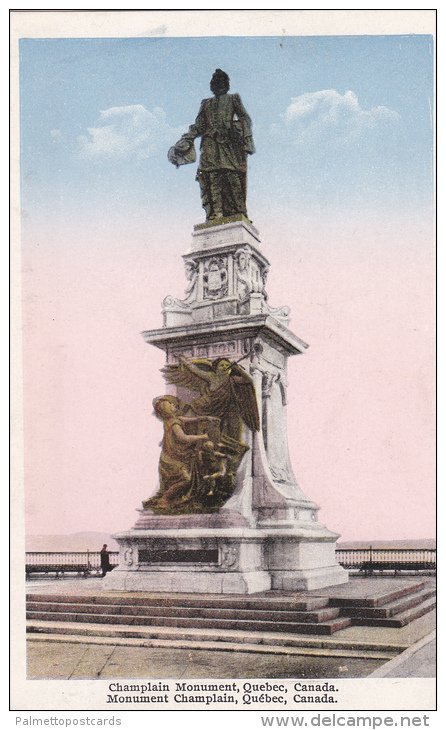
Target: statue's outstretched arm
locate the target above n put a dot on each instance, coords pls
(186, 438)
(202, 374)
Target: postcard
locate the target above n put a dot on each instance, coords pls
(223, 266)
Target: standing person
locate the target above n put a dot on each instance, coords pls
(105, 561)
(226, 139)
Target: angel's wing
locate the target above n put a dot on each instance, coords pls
(187, 377)
(245, 397)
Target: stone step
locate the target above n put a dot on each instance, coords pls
(378, 600)
(276, 603)
(321, 615)
(167, 633)
(328, 627)
(74, 634)
(389, 609)
(399, 619)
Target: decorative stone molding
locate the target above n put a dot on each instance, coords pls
(280, 313)
(283, 384)
(250, 274)
(223, 349)
(268, 380)
(281, 473)
(243, 277)
(191, 271)
(264, 274)
(171, 302)
(215, 278)
(231, 348)
(178, 311)
(228, 556)
(128, 556)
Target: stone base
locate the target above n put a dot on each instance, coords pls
(308, 580)
(188, 581)
(150, 521)
(224, 221)
(238, 560)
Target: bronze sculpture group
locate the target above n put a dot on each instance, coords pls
(203, 444)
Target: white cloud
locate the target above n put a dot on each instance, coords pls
(56, 135)
(328, 115)
(127, 131)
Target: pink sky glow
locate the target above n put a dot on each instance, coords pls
(361, 400)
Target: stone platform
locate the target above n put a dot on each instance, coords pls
(387, 603)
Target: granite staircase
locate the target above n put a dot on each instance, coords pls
(394, 609)
(289, 614)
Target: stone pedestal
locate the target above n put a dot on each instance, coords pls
(224, 560)
(266, 536)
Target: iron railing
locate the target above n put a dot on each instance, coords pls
(369, 560)
(363, 560)
(83, 563)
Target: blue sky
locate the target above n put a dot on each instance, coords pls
(340, 181)
(339, 122)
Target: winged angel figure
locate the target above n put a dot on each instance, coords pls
(202, 445)
(226, 391)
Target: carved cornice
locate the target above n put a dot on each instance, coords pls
(260, 325)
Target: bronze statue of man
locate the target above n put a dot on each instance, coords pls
(226, 139)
